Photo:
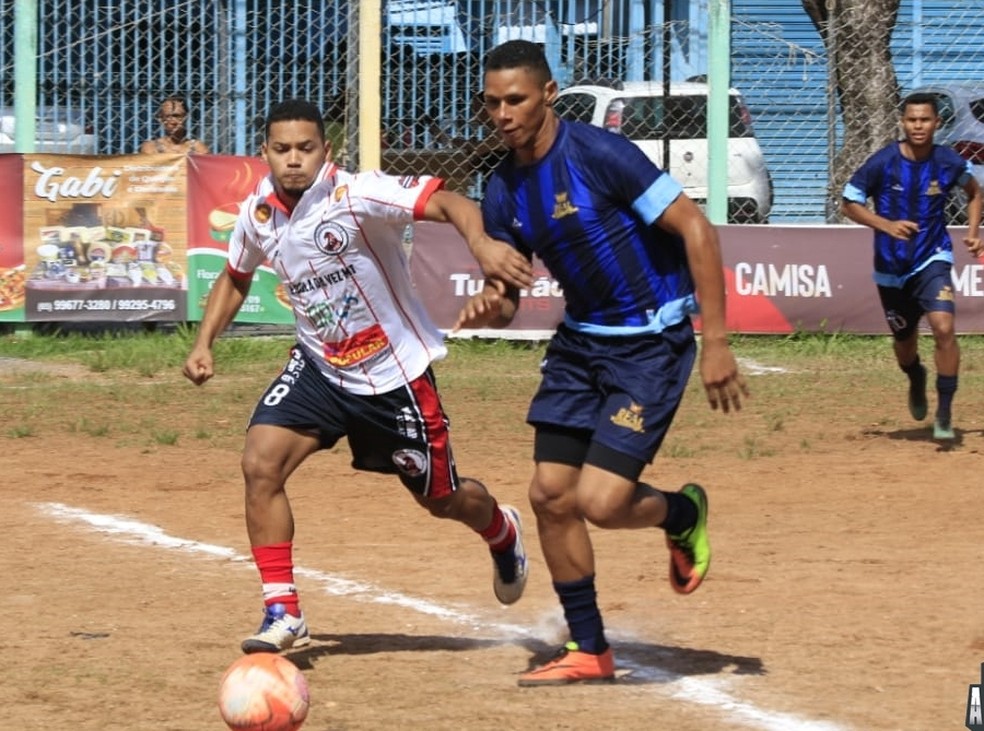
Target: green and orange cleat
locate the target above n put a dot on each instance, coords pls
(571, 665)
(690, 552)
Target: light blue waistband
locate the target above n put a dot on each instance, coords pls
(672, 313)
(893, 280)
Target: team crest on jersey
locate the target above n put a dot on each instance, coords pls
(562, 206)
(410, 462)
(340, 192)
(934, 188)
(331, 238)
(409, 181)
(262, 212)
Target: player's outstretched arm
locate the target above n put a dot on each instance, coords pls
(975, 204)
(224, 301)
(724, 384)
(496, 258)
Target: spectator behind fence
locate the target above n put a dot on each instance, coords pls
(173, 116)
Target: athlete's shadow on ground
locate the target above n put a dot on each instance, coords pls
(372, 644)
(642, 662)
(636, 662)
(923, 434)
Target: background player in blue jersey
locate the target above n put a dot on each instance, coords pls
(628, 248)
(909, 183)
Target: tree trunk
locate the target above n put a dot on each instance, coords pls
(856, 34)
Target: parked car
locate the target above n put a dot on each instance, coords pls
(61, 130)
(639, 111)
(961, 109)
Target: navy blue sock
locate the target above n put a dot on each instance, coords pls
(946, 386)
(581, 611)
(681, 513)
(913, 370)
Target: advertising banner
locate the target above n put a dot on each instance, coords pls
(144, 237)
(216, 185)
(12, 274)
(104, 237)
(784, 279)
(780, 279)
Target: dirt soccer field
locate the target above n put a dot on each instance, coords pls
(844, 593)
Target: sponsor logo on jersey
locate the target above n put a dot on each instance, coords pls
(934, 188)
(323, 280)
(331, 238)
(409, 181)
(357, 348)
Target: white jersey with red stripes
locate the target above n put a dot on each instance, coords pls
(340, 257)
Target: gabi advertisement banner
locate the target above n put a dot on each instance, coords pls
(104, 238)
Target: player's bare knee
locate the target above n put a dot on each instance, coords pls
(551, 501)
(446, 508)
(601, 509)
(262, 477)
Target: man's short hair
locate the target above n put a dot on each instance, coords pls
(921, 97)
(174, 99)
(291, 110)
(519, 55)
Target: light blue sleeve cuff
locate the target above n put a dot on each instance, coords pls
(657, 198)
(855, 194)
(966, 175)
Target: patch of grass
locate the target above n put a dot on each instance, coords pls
(129, 386)
(167, 437)
(85, 426)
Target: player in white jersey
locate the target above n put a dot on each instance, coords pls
(361, 365)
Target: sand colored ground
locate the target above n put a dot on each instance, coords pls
(843, 595)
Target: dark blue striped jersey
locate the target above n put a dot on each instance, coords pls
(587, 209)
(909, 190)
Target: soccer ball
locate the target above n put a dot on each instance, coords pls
(263, 692)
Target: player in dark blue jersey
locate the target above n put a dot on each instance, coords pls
(909, 183)
(634, 256)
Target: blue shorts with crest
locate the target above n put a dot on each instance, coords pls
(623, 391)
(928, 290)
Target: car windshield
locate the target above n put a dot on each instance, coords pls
(977, 109)
(680, 118)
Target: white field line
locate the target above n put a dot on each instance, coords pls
(699, 691)
(754, 368)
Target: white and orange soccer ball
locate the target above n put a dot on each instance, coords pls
(263, 692)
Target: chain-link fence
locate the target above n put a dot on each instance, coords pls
(817, 82)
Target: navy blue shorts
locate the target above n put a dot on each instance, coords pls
(402, 432)
(929, 290)
(619, 393)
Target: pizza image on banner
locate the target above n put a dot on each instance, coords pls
(216, 186)
(104, 238)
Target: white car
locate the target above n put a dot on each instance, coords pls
(961, 109)
(59, 130)
(639, 111)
